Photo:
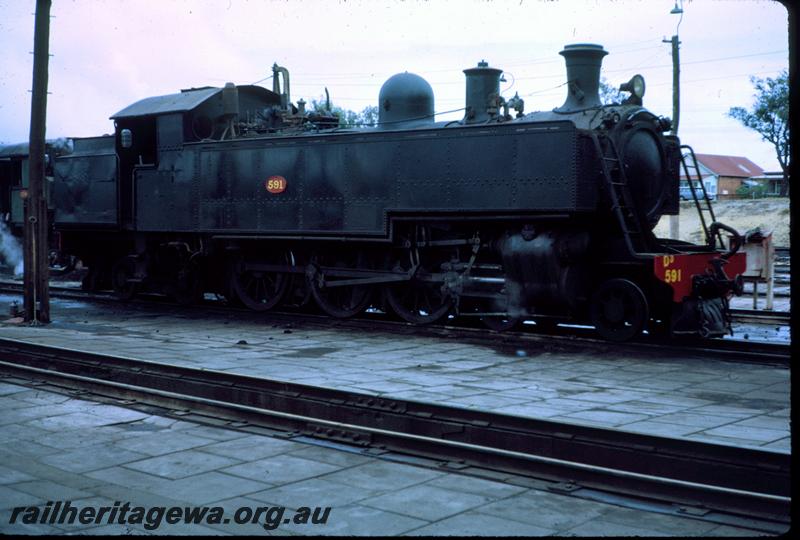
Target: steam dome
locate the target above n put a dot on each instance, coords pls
(405, 100)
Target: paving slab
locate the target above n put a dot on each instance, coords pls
(664, 429)
(600, 527)
(665, 524)
(281, 469)
(10, 498)
(76, 420)
(313, 492)
(181, 464)
(216, 433)
(252, 447)
(375, 474)
(23, 464)
(102, 456)
(602, 416)
(356, 494)
(361, 521)
(13, 432)
(208, 487)
(127, 477)
(485, 401)
(30, 450)
(427, 502)
(23, 412)
(344, 458)
(644, 407)
(32, 529)
(8, 389)
(469, 484)
(748, 432)
(50, 490)
(9, 475)
(546, 510)
(479, 524)
(155, 444)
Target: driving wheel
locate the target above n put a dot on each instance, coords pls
(337, 301)
(419, 300)
(619, 309)
(256, 285)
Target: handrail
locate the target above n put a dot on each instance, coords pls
(708, 234)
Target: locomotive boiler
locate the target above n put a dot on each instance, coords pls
(501, 215)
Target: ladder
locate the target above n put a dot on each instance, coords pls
(639, 238)
(688, 153)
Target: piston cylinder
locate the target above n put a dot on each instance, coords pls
(545, 270)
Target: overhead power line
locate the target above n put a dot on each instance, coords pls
(543, 92)
(549, 59)
(722, 77)
(307, 83)
(706, 61)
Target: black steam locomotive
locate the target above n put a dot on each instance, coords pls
(545, 216)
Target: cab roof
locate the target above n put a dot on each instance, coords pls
(185, 101)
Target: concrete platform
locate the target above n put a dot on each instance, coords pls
(56, 449)
(723, 402)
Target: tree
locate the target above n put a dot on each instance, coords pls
(368, 117)
(769, 117)
(610, 94)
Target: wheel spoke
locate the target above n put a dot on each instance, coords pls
(339, 302)
(260, 287)
(619, 309)
(426, 296)
(409, 293)
(417, 301)
(259, 291)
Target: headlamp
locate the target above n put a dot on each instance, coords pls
(635, 86)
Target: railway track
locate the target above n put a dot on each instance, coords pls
(757, 316)
(471, 329)
(709, 481)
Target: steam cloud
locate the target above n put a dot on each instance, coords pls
(10, 249)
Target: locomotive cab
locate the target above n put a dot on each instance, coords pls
(150, 135)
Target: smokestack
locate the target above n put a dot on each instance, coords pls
(583, 75)
(483, 82)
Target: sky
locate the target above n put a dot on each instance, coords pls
(107, 54)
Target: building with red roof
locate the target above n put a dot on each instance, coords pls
(723, 175)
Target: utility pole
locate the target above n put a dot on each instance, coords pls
(37, 292)
(676, 84)
(674, 221)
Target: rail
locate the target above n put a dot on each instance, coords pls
(757, 316)
(472, 329)
(702, 476)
